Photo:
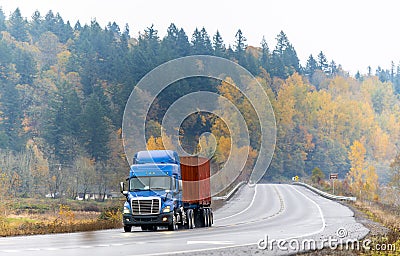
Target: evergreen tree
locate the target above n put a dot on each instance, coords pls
(11, 113)
(369, 71)
(240, 48)
(78, 26)
(146, 54)
(25, 65)
(2, 20)
(18, 26)
(284, 58)
(95, 129)
(218, 44)
(175, 44)
(62, 123)
(183, 43)
(333, 69)
(323, 63)
(201, 43)
(396, 83)
(311, 66)
(36, 25)
(265, 58)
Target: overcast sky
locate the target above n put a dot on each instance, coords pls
(354, 33)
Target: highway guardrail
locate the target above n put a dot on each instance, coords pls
(324, 194)
(228, 196)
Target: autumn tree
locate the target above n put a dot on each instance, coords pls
(317, 176)
(395, 174)
(362, 178)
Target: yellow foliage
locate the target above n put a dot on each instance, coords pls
(363, 180)
(159, 143)
(66, 213)
(223, 149)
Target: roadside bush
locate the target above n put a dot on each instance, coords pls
(112, 214)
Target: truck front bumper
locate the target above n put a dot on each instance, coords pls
(162, 219)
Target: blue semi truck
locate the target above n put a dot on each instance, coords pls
(164, 189)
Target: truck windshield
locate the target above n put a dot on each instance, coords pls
(150, 183)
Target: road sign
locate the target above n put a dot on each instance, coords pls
(333, 176)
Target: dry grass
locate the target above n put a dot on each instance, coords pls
(385, 214)
(38, 218)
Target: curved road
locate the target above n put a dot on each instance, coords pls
(253, 215)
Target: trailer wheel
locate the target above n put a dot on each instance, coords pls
(190, 218)
(205, 217)
(211, 217)
(127, 228)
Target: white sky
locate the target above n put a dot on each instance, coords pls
(353, 33)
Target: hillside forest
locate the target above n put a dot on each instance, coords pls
(63, 89)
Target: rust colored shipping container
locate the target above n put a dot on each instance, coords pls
(196, 179)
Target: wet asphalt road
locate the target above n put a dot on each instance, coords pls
(253, 215)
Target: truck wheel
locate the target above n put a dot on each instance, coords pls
(208, 218)
(173, 226)
(205, 218)
(144, 228)
(211, 218)
(190, 217)
(127, 228)
(153, 228)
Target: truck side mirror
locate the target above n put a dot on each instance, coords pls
(122, 187)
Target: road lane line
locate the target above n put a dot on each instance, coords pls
(320, 213)
(196, 250)
(247, 208)
(210, 242)
(281, 209)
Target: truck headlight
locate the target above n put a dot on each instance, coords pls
(127, 210)
(167, 209)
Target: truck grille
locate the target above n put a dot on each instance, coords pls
(145, 206)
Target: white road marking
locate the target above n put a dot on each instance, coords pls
(51, 249)
(320, 213)
(210, 242)
(86, 247)
(241, 212)
(197, 250)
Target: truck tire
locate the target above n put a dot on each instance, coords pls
(208, 217)
(127, 228)
(211, 218)
(173, 226)
(190, 217)
(144, 227)
(205, 217)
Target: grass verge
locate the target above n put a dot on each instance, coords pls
(48, 216)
